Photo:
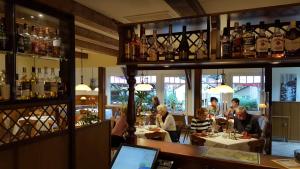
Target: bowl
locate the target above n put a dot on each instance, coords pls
(297, 155)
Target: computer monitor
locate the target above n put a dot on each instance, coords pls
(135, 157)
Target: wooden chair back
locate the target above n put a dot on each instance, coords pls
(156, 136)
(257, 146)
(195, 140)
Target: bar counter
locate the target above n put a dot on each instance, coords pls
(190, 156)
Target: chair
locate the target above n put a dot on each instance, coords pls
(156, 136)
(195, 140)
(257, 146)
(187, 128)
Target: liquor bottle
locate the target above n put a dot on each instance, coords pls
(20, 39)
(262, 42)
(143, 45)
(48, 43)
(34, 41)
(41, 42)
(53, 82)
(277, 42)
(135, 47)
(292, 40)
(18, 87)
(236, 38)
(56, 44)
(33, 84)
(3, 37)
(248, 42)
(225, 44)
(4, 87)
(201, 51)
(128, 49)
(26, 39)
(154, 49)
(61, 85)
(25, 95)
(184, 49)
(169, 48)
(40, 84)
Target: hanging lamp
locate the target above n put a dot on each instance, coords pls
(224, 88)
(82, 86)
(143, 87)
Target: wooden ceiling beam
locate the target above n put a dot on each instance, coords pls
(186, 8)
(96, 48)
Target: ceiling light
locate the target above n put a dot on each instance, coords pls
(23, 18)
(31, 17)
(224, 88)
(143, 87)
(96, 89)
(40, 15)
(82, 86)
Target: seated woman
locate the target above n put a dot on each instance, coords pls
(201, 123)
(213, 109)
(119, 129)
(166, 121)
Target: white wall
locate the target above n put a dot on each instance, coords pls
(276, 72)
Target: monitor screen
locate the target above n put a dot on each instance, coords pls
(131, 157)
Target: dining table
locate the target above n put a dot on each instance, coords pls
(142, 130)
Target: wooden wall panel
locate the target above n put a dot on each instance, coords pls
(93, 146)
(7, 159)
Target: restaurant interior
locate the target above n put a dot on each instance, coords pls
(164, 84)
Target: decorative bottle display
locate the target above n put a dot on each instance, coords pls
(292, 40)
(25, 85)
(33, 84)
(184, 49)
(56, 44)
(20, 39)
(169, 49)
(248, 42)
(143, 46)
(128, 49)
(262, 42)
(225, 44)
(26, 39)
(4, 87)
(154, 49)
(48, 43)
(236, 41)
(3, 37)
(277, 42)
(201, 51)
(34, 41)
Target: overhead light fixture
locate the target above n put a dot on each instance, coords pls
(32, 17)
(224, 88)
(96, 89)
(40, 15)
(143, 87)
(82, 86)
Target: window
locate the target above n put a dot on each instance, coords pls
(174, 93)
(118, 90)
(209, 81)
(145, 98)
(247, 89)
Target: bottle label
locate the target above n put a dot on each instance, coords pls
(226, 49)
(56, 43)
(277, 44)
(249, 40)
(292, 45)
(262, 45)
(237, 45)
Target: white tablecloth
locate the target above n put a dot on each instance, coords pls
(41, 125)
(224, 142)
(141, 131)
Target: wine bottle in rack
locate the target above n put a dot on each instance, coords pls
(249, 42)
(292, 40)
(277, 42)
(26, 39)
(236, 37)
(201, 51)
(25, 85)
(225, 44)
(169, 53)
(20, 39)
(143, 45)
(154, 49)
(184, 49)
(33, 84)
(3, 37)
(262, 42)
(128, 49)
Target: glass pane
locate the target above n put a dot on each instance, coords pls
(249, 79)
(175, 97)
(236, 79)
(257, 79)
(138, 79)
(167, 80)
(172, 80)
(177, 80)
(112, 79)
(153, 79)
(243, 79)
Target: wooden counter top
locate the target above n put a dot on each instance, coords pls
(189, 156)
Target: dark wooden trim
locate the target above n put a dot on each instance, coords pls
(196, 6)
(268, 88)
(101, 92)
(186, 8)
(96, 48)
(197, 89)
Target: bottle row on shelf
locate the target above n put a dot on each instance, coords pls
(276, 41)
(244, 42)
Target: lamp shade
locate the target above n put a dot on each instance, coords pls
(96, 89)
(213, 90)
(143, 87)
(223, 88)
(82, 87)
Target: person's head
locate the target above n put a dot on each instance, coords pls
(241, 114)
(155, 100)
(235, 102)
(214, 101)
(201, 113)
(123, 110)
(162, 109)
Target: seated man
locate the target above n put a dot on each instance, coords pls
(246, 123)
(201, 123)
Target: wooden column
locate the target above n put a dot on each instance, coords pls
(131, 73)
(268, 89)
(101, 92)
(197, 89)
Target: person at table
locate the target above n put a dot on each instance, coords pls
(201, 123)
(235, 104)
(166, 121)
(213, 108)
(155, 103)
(246, 123)
(117, 133)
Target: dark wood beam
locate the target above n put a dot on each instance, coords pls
(197, 89)
(186, 7)
(83, 55)
(96, 48)
(101, 93)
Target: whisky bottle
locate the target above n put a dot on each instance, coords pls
(20, 39)
(128, 50)
(277, 42)
(18, 87)
(25, 85)
(169, 48)
(40, 84)
(34, 41)
(184, 49)
(47, 83)
(248, 42)
(236, 38)
(26, 39)
(262, 42)
(53, 82)
(226, 44)
(48, 43)
(135, 47)
(33, 84)
(41, 42)
(201, 51)
(3, 37)
(143, 45)
(292, 40)
(56, 44)
(154, 49)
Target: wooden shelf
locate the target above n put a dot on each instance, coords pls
(40, 56)
(32, 102)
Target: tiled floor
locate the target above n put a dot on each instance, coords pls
(285, 149)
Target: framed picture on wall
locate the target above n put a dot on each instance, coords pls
(288, 87)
